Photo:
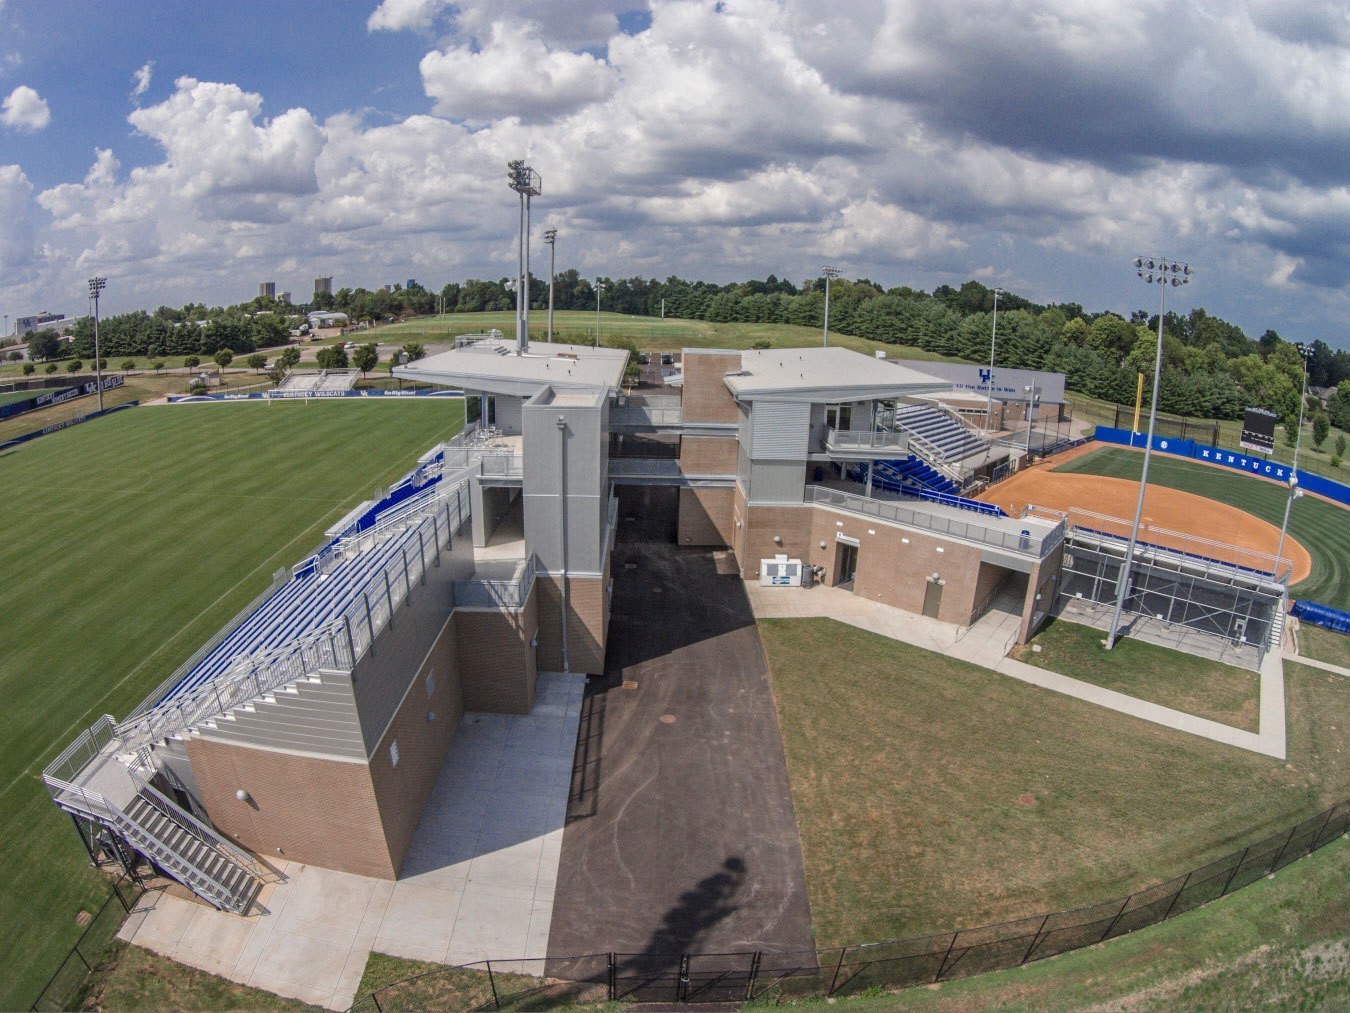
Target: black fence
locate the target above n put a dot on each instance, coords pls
(1171, 426)
(739, 977)
(62, 990)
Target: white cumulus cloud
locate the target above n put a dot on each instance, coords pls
(397, 15)
(24, 109)
(513, 73)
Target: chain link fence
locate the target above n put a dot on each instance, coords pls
(62, 991)
(764, 976)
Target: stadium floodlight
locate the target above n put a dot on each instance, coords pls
(829, 273)
(1305, 353)
(526, 183)
(993, 343)
(599, 287)
(550, 237)
(97, 285)
(1161, 272)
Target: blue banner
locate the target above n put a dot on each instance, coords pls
(56, 427)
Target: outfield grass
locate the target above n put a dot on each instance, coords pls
(1199, 686)
(138, 536)
(932, 794)
(1320, 527)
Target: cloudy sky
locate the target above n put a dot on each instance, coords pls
(188, 151)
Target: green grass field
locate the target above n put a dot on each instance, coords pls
(1320, 527)
(130, 540)
(932, 794)
(648, 333)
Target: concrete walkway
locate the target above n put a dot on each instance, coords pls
(987, 643)
(478, 881)
(1325, 666)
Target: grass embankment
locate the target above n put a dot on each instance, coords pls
(1207, 689)
(648, 333)
(141, 534)
(1319, 526)
(932, 794)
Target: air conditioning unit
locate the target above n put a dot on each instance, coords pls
(781, 572)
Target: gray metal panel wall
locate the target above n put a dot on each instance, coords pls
(777, 481)
(743, 447)
(582, 449)
(507, 413)
(781, 430)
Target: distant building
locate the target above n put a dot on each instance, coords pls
(38, 320)
(317, 320)
(284, 297)
(267, 290)
(323, 286)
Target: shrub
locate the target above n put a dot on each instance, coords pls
(1340, 444)
(74, 366)
(128, 365)
(197, 387)
(28, 369)
(762, 343)
(52, 367)
(1335, 460)
(192, 362)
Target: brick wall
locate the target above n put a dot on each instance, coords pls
(705, 397)
(306, 809)
(708, 455)
(496, 659)
(1044, 580)
(588, 621)
(706, 517)
(352, 816)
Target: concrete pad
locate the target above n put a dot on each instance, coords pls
(163, 927)
(419, 922)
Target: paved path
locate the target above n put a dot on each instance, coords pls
(681, 834)
(477, 884)
(987, 644)
(1325, 666)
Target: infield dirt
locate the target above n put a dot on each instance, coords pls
(1166, 508)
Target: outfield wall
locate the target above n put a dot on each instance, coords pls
(292, 395)
(1249, 463)
(55, 397)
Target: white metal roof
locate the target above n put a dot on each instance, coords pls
(825, 375)
(494, 366)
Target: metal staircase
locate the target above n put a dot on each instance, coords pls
(94, 782)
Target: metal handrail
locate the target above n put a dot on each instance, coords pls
(167, 807)
(862, 439)
(971, 530)
(510, 594)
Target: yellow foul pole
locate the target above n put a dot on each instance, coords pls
(1138, 402)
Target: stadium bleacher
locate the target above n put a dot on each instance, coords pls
(938, 429)
(324, 380)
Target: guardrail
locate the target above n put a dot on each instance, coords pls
(509, 593)
(848, 439)
(1024, 542)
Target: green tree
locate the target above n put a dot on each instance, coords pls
(75, 366)
(157, 365)
(414, 351)
(277, 373)
(52, 367)
(223, 358)
(289, 356)
(365, 358)
(44, 344)
(1340, 444)
(192, 362)
(128, 365)
(28, 369)
(257, 361)
(1321, 429)
(332, 357)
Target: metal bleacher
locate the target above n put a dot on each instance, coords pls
(324, 380)
(938, 432)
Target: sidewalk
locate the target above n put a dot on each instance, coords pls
(987, 644)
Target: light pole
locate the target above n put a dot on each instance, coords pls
(97, 285)
(993, 343)
(599, 287)
(525, 182)
(1161, 272)
(828, 272)
(550, 237)
(1033, 393)
(1305, 353)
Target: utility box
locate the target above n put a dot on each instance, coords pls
(781, 572)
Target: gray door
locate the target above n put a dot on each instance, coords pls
(845, 565)
(932, 599)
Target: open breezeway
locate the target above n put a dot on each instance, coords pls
(681, 835)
